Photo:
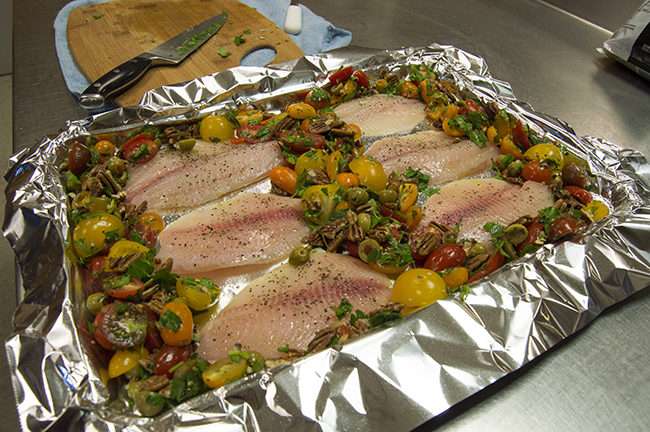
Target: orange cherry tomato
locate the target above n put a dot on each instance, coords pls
(347, 179)
(455, 277)
(154, 220)
(537, 172)
(284, 178)
(408, 194)
(409, 90)
(176, 324)
(413, 216)
(453, 131)
(104, 147)
(506, 146)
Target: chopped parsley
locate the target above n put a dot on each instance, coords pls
(498, 236)
(343, 309)
(421, 179)
(170, 320)
(239, 39)
(223, 52)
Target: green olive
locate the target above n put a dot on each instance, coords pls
(356, 196)
(387, 196)
(516, 233)
(186, 145)
(144, 402)
(366, 247)
(515, 168)
(503, 160)
(116, 166)
(94, 302)
(477, 249)
(364, 221)
(299, 256)
(185, 368)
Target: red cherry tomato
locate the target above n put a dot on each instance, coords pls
(579, 193)
(445, 256)
(98, 332)
(300, 142)
(361, 79)
(562, 226)
(341, 75)
(386, 212)
(519, 135)
(147, 233)
(470, 105)
(535, 171)
(534, 230)
(123, 325)
(248, 133)
(140, 149)
(152, 341)
(320, 101)
(168, 357)
(353, 248)
(131, 289)
(493, 263)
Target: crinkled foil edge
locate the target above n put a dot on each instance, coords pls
(392, 379)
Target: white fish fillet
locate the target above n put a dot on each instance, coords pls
(381, 115)
(290, 304)
(435, 153)
(474, 202)
(175, 180)
(252, 228)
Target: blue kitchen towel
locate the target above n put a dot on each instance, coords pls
(317, 35)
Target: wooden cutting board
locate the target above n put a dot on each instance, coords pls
(105, 35)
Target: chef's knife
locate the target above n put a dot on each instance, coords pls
(172, 52)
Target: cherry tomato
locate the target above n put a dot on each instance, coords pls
(140, 151)
(148, 235)
(332, 165)
(597, 209)
(370, 172)
(96, 266)
(318, 98)
(519, 135)
(224, 371)
(98, 332)
(130, 289)
(449, 111)
(216, 128)
(78, 158)
(301, 111)
(284, 178)
(391, 270)
(313, 159)
(449, 130)
(125, 360)
(152, 340)
(535, 230)
(341, 75)
(154, 220)
(427, 88)
(506, 146)
(548, 153)
(445, 256)
(198, 295)
(413, 216)
(361, 78)
(347, 179)
(409, 90)
(121, 249)
(417, 288)
(352, 248)
(455, 277)
(176, 324)
(246, 116)
(104, 147)
(492, 264)
(536, 171)
(248, 133)
(89, 236)
(301, 142)
(123, 324)
(571, 175)
(323, 197)
(564, 225)
(579, 193)
(168, 357)
(408, 194)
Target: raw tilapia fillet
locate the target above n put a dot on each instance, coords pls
(435, 153)
(474, 202)
(176, 180)
(252, 228)
(290, 304)
(381, 115)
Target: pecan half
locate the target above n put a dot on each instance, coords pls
(427, 242)
(154, 383)
(475, 262)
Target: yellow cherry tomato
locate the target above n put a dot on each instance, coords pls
(435, 113)
(321, 197)
(502, 125)
(546, 152)
(408, 194)
(370, 172)
(199, 294)
(409, 90)
(449, 130)
(455, 277)
(344, 205)
(89, 236)
(332, 164)
(154, 220)
(216, 128)
(313, 159)
(506, 146)
(247, 116)
(427, 89)
(224, 371)
(418, 288)
(104, 147)
(597, 209)
(413, 216)
(176, 324)
(125, 360)
(350, 88)
(301, 111)
(356, 129)
(121, 249)
(449, 111)
(492, 135)
(391, 270)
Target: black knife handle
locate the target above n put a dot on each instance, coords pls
(114, 81)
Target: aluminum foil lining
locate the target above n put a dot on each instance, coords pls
(391, 379)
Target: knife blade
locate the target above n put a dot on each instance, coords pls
(171, 52)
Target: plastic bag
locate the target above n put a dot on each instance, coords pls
(630, 44)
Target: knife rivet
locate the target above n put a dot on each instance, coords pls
(116, 71)
(97, 84)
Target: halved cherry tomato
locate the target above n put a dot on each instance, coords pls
(492, 264)
(341, 75)
(224, 371)
(408, 194)
(140, 149)
(122, 324)
(391, 270)
(409, 90)
(449, 130)
(470, 105)
(361, 78)
(176, 324)
(318, 98)
(96, 266)
(123, 248)
(597, 209)
(519, 135)
(301, 142)
(535, 229)
(506, 146)
(413, 216)
(168, 357)
(98, 332)
(564, 225)
(249, 133)
(445, 256)
(154, 220)
(148, 234)
(332, 165)
(130, 289)
(301, 111)
(579, 193)
(153, 341)
(536, 171)
(125, 360)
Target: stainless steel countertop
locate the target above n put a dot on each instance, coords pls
(597, 379)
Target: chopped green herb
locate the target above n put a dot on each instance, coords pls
(284, 349)
(98, 16)
(239, 40)
(223, 52)
(384, 319)
(170, 320)
(247, 31)
(343, 309)
(155, 399)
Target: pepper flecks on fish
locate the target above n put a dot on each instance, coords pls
(252, 228)
(179, 181)
(304, 294)
(381, 115)
(435, 153)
